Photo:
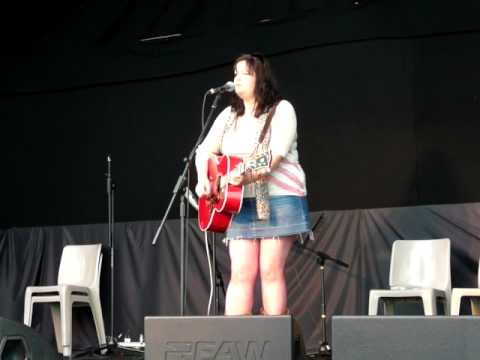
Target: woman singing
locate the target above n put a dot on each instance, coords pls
(274, 210)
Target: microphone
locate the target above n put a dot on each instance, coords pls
(227, 87)
(191, 198)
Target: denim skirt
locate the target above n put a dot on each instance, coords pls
(289, 216)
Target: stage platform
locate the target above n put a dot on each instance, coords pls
(405, 337)
(353, 338)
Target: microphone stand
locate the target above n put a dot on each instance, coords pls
(320, 258)
(111, 344)
(180, 183)
(111, 242)
(217, 276)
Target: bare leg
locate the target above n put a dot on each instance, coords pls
(273, 255)
(244, 270)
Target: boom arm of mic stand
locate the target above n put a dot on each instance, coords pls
(328, 257)
(182, 177)
(323, 256)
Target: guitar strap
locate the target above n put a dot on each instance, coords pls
(268, 121)
(261, 186)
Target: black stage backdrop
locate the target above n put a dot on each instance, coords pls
(387, 98)
(386, 94)
(147, 277)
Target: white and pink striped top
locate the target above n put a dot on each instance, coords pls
(239, 140)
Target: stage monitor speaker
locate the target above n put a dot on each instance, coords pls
(222, 337)
(405, 337)
(19, 342)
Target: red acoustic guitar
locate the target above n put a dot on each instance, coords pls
(215, 212)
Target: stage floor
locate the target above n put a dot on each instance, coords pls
(135, 355)
(115, 354)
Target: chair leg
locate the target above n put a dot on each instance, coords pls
(66, 321)
(429, 305)
(57, 326)
(96, 308)
(455, 303)
(388, 307)
(28, 308)
(373, 305)
(447, 308)
(475, 305)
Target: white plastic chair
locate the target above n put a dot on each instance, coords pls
(472, 293)
(78, 282)
(418, 269)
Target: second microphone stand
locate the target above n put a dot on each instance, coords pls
(320, 259)
(111, 243)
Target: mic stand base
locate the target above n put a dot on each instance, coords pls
(324, 349)
(110, 347)
(106, 349)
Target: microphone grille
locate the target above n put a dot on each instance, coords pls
(229, 86)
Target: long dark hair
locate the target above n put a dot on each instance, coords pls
(266, 90)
